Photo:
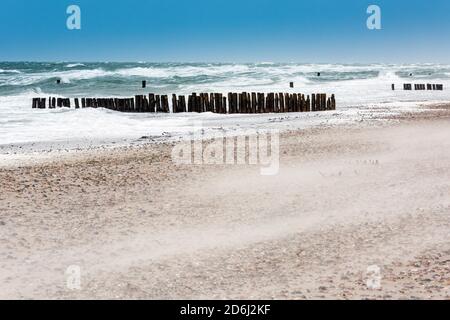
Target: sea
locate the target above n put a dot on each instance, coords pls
(360, 90)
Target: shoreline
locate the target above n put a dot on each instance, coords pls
(41, 151)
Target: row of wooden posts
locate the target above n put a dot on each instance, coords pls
(204, 102)
(418, 86)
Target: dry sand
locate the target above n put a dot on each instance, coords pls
(139, 226)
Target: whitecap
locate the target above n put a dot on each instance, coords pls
(73, 65)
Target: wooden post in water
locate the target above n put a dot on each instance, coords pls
(174, 103)
(138, 102)
(42, 104)
(198, 104)
(294, 102)
(224, 105)
(151, 102)
(308, 104)
(183, 103)
(158, 103)
(77, 103)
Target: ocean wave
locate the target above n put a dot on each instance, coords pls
(74, 65)
(10, 71)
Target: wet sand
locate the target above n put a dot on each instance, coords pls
(347, 198)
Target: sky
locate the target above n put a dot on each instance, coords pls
(315, 31)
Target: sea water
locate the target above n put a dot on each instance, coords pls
(358, 88)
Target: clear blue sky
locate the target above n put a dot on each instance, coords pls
(226, 30)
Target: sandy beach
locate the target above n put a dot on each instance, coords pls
(348, 199)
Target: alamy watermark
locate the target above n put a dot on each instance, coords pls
(73, 277)
(374, 20)
(74, 19)
(373, 277)
(253, 147)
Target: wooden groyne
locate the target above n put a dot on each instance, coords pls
(245, 102)
(421, 87)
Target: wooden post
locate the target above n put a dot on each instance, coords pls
(230, 103)
(282, 106)
(138, 102)
(291, 84)
(207, 103)
(144, 84)
(393, 87)
(224, 105)
(146, 104)
(174, 103)
(303, 107)
(253, 102)
(198, 104)
(218, 102)
(158, 103)
(151, 102)
(165, 103)
(182, 103)
(77, 104)
(313, 102)
(295, 102)
(263, 102)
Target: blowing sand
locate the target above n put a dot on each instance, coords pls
(346, 199)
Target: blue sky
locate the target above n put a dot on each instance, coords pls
(226, 30)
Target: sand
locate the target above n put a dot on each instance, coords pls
(347, 199)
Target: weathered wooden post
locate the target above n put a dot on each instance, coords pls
(151, 102)
(42, 104)
(393, 87)
(77, 103)
(174, 103)
(166, 108)
(138, 102)
(208, 103)
(144, 84)
(230, 103)
(218, 103)
(291, 84)
(158, 103)
(183, 103)
(313, 102)
(224, 105)
(294, 102)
